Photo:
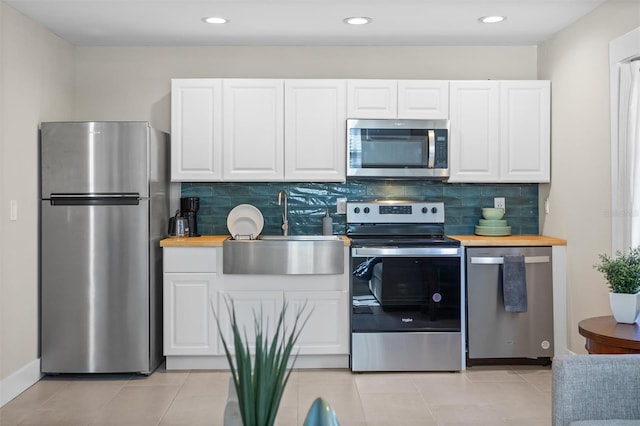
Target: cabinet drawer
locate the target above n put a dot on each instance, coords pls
(190, 259)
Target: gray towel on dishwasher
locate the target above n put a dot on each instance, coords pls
(514, 284)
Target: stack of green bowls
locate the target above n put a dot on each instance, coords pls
(493, 224)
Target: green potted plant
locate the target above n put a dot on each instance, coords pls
(622, 273)
(259, 376)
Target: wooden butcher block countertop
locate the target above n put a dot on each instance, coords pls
(201, 241)
(511, 240)
(466, 240)
(205, 241)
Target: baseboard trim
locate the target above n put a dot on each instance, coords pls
(18, 382)
(219, 362)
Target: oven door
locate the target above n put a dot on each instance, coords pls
(411, 289)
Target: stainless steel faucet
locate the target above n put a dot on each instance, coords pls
(285, 221)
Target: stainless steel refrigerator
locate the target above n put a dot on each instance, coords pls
(104, 207)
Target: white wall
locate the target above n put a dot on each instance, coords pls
(36, 71)
(3, 224)
(134, 83)
(576, 60)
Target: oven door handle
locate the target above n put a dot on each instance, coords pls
(500, 260)
(406, 251)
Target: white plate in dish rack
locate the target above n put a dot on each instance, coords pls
(245, 221)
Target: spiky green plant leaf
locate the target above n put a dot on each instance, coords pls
(260, 384)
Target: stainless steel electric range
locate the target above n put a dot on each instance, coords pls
(407, 288)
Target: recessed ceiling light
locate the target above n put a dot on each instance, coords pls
(357, 20)
(491, 19)
(215, 20)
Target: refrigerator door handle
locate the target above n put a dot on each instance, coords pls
(95, 200)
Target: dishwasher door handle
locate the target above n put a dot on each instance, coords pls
(499, 260)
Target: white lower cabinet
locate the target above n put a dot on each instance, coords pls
(188, 325)
(326, 331)
(196, 292)
(189, 291)
(249, 306)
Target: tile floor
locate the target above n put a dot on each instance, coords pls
(481, 395)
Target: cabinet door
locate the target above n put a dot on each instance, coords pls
(327, 330)
(474, 131)
(189, 327)
(253, 130)
(249, 306)
(372, 98)
(315, 130)
(525, 114)
(423, 99)
(196, 130)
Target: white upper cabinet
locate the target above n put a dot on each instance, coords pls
(404, 99)
(315, 130)
(253, 130)
(372, 98)
(295, 130)
(196, 130)
(525, 131)
(423, 99)
(244, 130)
(474, 131)
(500, 131)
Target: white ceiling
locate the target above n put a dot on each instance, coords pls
(302, 22)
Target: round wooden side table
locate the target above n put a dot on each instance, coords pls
(605, 336)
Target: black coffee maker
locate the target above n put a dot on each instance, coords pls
(189, 208)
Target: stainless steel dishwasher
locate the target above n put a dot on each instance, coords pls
(492, 331)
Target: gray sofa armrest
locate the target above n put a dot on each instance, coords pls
(595, 387)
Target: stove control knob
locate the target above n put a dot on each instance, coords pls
(425, 210)
(434, 210)
(356, 210)
(367, 210)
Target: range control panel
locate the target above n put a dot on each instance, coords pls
(395, 212)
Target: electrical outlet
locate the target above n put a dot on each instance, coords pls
(499, 203)
(341, 207)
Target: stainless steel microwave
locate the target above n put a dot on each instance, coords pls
(410, 149)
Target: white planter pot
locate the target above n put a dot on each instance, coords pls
(625, 307)
(232, 416)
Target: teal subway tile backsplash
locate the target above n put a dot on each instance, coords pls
(308, 202)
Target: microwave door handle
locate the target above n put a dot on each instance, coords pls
(431, 136)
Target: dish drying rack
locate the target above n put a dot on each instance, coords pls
(244, 237)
